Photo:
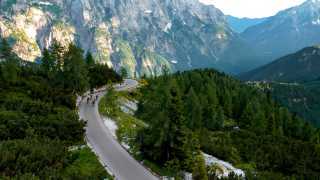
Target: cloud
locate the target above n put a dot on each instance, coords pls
(252, 8)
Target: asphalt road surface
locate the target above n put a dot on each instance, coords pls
(110, 152)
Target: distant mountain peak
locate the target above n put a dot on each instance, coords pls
(287, 32)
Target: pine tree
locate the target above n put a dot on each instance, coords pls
(199, 171)
(48, 63)
(272, 125)
(247, 116)
(219, 119)
(259, 121)
(210, 117)
(10, 68)
(57, 52)
(227, 104)
(123, 73)
(156, 141)
(212, 95)
(286, 119)
(168, 139)
(5, 50)
(175, 114)
(74, 70)
(191, 149)
(193, 110)
(89, 60)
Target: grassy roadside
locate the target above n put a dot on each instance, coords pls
(85, 164)
(128, 127)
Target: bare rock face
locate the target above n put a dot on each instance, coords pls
(23, 28)
(140, 35)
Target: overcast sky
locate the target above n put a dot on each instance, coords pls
(252, 8)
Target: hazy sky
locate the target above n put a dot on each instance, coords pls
(252, 8)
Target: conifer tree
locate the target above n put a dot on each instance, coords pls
(194, 111)
(10, 68)
(199, 171)
(259, 121)
(48, 63)
(213, 114)
(89, 60)
(220, 119)
(57, 52)
(212, 95)
(247, 116)
(123, 73)
(74, 70)
(178, 126)
(5, 49)
(227, 104)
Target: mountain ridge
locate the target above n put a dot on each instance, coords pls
(301, 66)
(286, 32)
(179, 34)
(241, 24)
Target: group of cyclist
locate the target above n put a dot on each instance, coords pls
(91, 99)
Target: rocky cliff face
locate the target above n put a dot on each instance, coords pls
(141, 35)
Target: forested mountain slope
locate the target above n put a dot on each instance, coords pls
(303, 99)
(41, 136)
(302, 66)
(293, 82)
(212, 112)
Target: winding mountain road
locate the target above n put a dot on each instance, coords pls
(110, 152)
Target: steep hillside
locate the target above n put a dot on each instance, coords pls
(293, 81)
(301, 66)
(41, 134)
(287, 32)
(141, 35)
(227, 119)
(302, 99)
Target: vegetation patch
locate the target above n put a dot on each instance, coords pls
(128, 127)
(302, 99)
(38, 116)
(204, 110)
(125, 56)
(84, 165)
